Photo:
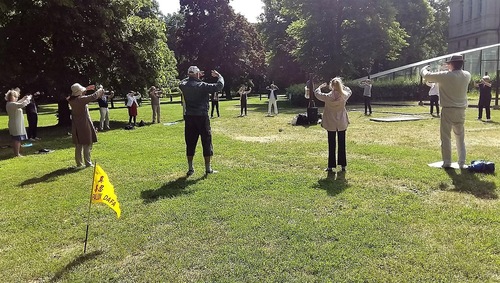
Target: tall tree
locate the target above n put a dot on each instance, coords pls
(282, 68)
(48, 45)
(342, 36)
(214, 37)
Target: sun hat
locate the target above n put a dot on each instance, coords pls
(456, 58)
(486, 78)
(77, 89)
(193, 70)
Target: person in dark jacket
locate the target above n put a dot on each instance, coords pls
(32, 115)
(196, 95)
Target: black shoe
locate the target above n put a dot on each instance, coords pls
(343, 168)
(190, 172)
(329, 169)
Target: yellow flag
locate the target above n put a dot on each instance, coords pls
(103, 191)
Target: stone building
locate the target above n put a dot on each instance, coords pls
(473, 23)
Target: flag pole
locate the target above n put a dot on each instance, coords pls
(90, 205)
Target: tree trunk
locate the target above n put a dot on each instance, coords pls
(63, 113)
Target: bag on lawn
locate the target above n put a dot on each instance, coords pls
(481, 166)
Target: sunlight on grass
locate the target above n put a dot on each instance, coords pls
(270, 215)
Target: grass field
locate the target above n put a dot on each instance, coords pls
(271, 214)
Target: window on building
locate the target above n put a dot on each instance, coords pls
(479, 8)
(469, 12)
(461, 14)
(477, 41)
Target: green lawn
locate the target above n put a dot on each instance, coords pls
(271, 214)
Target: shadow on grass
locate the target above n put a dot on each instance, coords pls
(334, 183)
(49, 176)
(76, 262)
(169, 190)
(467, 182)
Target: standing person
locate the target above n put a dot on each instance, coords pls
(272, 99)
(433, 97)
(244, 98)
(484, 86)
(197, 123)
(335, 120)
(214, 97)
(132, 105)
(453, 86)
(82, 129)
(367, 95)
(155, 95)
(14, 108)
(104, 110)
(32, 115)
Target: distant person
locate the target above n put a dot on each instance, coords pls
(214, 97)
(14, 108)
(155, 95)
(82, 129)
(367, 95)
(335, 120)
(272, 99)
(453, 86)
(484, 86)
(132, 105)
(243, 92)
(197, 123)
(32, 115)
(433, 97)
(103, 102)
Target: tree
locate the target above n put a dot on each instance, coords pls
(214, 37)
(282, 68)
(342, 36)
(120, 44)
(426, 23)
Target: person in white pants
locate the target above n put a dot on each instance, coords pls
(453, 86)
(272, 99)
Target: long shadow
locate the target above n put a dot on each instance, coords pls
(334, 183)
(49, 177)
(169, 190)
(468, 182)
(74, 263)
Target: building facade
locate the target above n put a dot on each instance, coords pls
(473, 23)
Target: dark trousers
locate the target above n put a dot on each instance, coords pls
(342, 159)
(368, 104)
(194, 127)
(32, 124)
(215, 104)
(434, 101)
(243, 106)
(484, 102)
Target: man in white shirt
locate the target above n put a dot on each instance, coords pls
(453, 86)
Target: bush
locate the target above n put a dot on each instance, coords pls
(397, 90)
(296, 95)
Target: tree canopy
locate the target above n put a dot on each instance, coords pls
(351, 37)
(213, 36)
(48, 45)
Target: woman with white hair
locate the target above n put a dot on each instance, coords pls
(82, 128)
(14, 109)
(335, 120)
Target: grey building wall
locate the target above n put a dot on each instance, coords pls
(473, 23)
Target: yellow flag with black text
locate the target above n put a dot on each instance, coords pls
(103, 191)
